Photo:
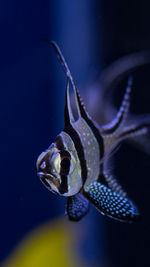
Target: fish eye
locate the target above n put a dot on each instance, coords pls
(65, 163)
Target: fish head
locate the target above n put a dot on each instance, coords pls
(59, 168)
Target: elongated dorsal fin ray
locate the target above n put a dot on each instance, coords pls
(114, 125)
(66, 69)
(68, 114)
(121, 67)
(134, 130)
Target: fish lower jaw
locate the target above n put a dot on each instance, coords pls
(45, 175)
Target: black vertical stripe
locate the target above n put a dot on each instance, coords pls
(63, 188)
(59, 143)
(64, 154)
(66, 111)
(79, 148)
(94, 129)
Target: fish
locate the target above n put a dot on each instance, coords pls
(75, 165)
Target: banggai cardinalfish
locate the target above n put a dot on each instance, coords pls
(75, 164)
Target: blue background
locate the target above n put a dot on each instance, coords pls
(32, 85)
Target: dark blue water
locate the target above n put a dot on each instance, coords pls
(31, 111)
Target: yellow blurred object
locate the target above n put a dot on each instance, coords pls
(49, 245)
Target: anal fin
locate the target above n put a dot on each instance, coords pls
(111, 203)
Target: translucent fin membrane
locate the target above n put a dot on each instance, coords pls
(114, 125)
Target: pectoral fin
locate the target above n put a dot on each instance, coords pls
(111, 203)
(76, 207)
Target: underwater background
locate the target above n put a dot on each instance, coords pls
(92, 35)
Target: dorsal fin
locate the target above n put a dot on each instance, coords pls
(79, 103)
(114, 125)
(68, 114)
(68, 73)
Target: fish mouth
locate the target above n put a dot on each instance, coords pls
(48, 179)
(49, 176)
(46, 175)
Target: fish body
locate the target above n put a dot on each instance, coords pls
(75, 165)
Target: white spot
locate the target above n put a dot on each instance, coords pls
(43, 165)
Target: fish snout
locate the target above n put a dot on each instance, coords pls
(43, 163)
